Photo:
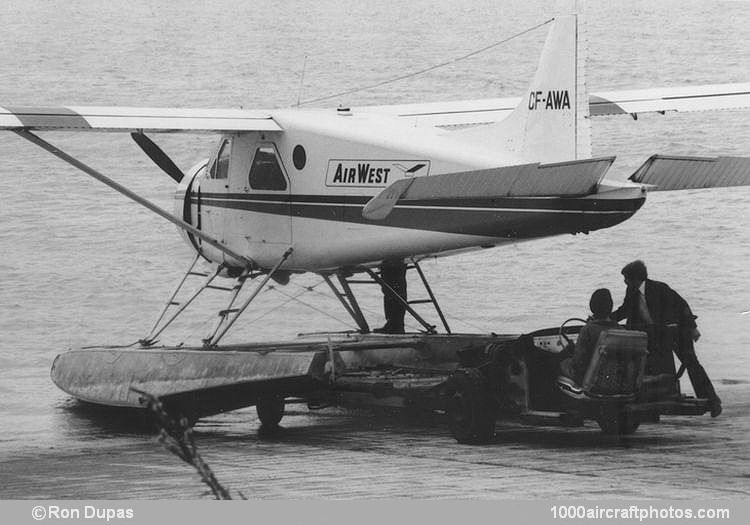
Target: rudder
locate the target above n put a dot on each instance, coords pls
(551, 122)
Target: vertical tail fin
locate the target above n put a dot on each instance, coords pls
(551, 123)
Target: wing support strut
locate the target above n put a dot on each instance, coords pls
(131, 195)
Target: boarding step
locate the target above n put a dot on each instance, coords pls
(558, 419)
(683, 406)
(222, 288)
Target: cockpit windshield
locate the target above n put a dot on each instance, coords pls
(220, 167)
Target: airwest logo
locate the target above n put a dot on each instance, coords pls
(553, 99)
(373, 173)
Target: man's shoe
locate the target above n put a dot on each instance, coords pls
(386, 329)
(715, 407)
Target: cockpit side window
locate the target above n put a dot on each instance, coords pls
(220, 168)
(265, 171)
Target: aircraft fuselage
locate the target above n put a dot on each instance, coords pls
(306, 187)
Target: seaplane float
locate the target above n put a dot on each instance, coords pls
(338, 191)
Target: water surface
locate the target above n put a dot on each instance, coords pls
(82, 266)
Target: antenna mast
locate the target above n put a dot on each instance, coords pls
(301, 80)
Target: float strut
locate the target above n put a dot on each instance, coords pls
(148, 340)
(224, 314)
(349, 301)
(432, 296)
(213, 341)
(151, 337)
(430, 328)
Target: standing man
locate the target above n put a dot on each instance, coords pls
(653, 307)
(393, 273)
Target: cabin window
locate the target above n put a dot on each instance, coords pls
(265, 172)
(299, 157)
(220, 168)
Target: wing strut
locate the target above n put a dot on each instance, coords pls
(131, 195)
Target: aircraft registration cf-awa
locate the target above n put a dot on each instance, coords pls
(338, 191)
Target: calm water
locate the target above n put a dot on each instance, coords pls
(82, 266)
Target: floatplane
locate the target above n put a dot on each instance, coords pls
(338, 191)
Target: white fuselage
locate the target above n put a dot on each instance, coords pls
(317, 208)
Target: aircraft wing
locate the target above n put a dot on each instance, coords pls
(128, 119)
(630, 102)
(441, 114)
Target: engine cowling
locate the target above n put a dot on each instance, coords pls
(186, 206)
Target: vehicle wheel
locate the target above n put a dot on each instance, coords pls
(618, 423)
(468, 406)
(270, 410)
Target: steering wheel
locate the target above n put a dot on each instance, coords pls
(562, 332)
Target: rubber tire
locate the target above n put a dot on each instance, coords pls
(471, 419)
(270, 410)
(618, 423)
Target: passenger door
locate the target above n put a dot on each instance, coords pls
(265, 221)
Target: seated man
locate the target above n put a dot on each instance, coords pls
(601, 308)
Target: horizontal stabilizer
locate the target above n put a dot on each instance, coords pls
(668, 173)
(687, 98)
(156, 120)
(563, 179)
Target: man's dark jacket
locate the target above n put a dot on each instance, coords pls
(665, 306)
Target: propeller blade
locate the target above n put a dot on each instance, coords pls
(156, 154)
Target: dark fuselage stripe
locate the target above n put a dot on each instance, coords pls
(555, 204)
(486, 220)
